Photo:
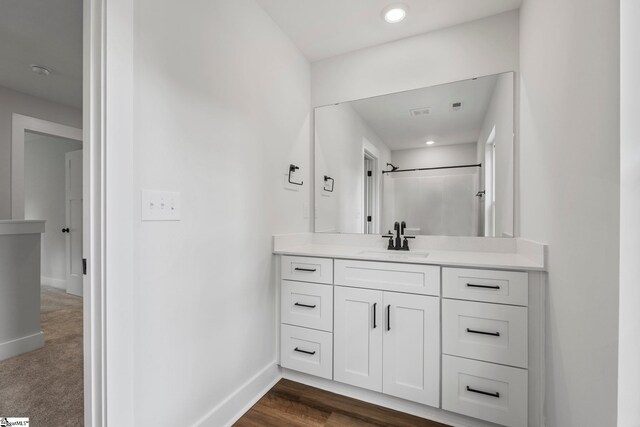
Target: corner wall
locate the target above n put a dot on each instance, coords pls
(570, 188)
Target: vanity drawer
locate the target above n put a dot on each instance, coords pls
(490, 332)
(306, 350)
(307, 269)
(483, 390)
(503, 287)
(307, 304)
(388, 276)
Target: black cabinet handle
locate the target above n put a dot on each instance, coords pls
(304, 351)
(375, 308)
(471, 285)
(305, 269)
(493, 334)
(486, 393)
(65, 230)
(305, 305)
(389, 317)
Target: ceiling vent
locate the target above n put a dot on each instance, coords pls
(456, 106)
(416, 112)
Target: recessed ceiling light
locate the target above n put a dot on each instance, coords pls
(40, 70)
(394, 13)
(430, 142)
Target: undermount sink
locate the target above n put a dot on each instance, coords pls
(395, 254)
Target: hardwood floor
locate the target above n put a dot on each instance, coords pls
(292, 404)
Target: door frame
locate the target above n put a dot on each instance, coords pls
(371, 152)
(19, 125)
(108, 74)
(94, 321)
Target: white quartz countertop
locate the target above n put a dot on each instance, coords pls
(527, 256)
(509, 261)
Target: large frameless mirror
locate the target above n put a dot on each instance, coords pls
(439, 158)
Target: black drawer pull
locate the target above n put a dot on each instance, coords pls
(389, 317)
(304, 351)
(375, 305)
(471, 285)
(305, 305)
(311, 270)
(486, 393)
(493, 334)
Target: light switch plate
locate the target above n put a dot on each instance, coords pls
(160, 205)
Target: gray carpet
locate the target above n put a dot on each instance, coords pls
(46, 385)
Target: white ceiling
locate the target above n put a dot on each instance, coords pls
(325, 28)
(389, 115)
(43, 32)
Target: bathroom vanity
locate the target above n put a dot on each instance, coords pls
(437, 333)
(453, 329)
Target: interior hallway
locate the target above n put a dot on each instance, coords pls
(46, 384)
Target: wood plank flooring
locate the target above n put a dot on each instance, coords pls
(292, 404)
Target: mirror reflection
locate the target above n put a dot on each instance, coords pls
(439, 158)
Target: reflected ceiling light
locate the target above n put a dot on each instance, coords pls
(394, 13)
(430, 142)
(40, 70)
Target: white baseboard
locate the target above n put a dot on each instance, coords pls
(55, 283)
(386, 401)
(21, 345)
(227, 412)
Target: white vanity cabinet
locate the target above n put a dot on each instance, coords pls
(388, 342)
(306, 315)
(445, 337)
(411, 347)
(485, 344)
(357, 355)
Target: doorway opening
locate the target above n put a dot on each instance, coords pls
(53, 192)
(46, 383)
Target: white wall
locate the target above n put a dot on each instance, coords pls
(500, 115)
(569, 178)
(479, 48)
(221, 108)
(629, 346)
(16, 102)
(44, 199)
(340, 137)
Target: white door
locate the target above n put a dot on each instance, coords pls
(412, 347)
(73, 229)
(357, 335)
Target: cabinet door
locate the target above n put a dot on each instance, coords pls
(412, 347)
(357, 335)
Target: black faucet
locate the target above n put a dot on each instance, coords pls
(399, 245)
(399, 229)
